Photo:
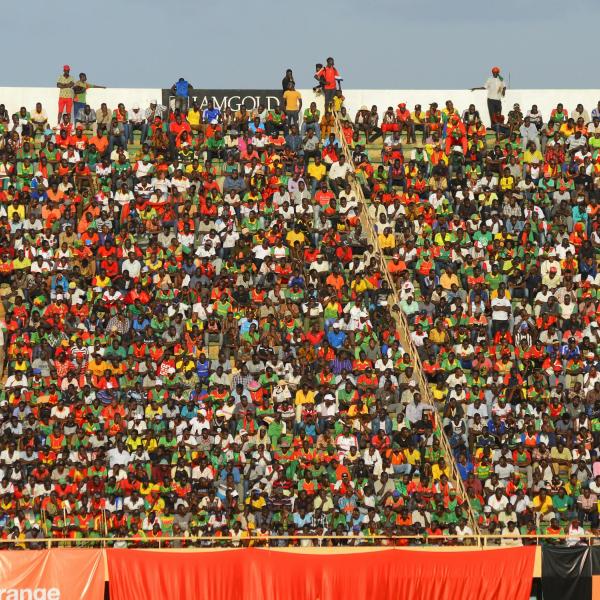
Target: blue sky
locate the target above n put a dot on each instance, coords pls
(394, 44)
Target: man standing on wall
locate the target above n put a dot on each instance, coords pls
(65, 84)
(496, 88)
(289, 78)
(82, 85)
(331, 76)
(182, 90)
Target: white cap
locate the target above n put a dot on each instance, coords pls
(136, 107)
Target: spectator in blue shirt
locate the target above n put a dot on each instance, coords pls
(211, 113)
(255, 126)
(203, 367)
(59, 285)
(570, 350)
(335, 337)
(347, 502)
(302, 518)
(181, 89)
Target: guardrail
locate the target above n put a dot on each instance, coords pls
(403, 326)
(472, 541)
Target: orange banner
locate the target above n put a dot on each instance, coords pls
(255, 574)
(57, 574)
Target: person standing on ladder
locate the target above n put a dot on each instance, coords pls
(496, 88)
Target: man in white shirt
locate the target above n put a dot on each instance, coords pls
(415, 410)
(574, 534)
(39, 118)
(477, 408)
(463, 529)
(384, 363)
(496, 89)
(338, 173)
(261, 251)
(16, 380)
(498, 501)
(137, 120)
(511, 536)
(529, 133)
(134, 502)
(501, 312)
(345, 441)
(132, 266)
(118, 456)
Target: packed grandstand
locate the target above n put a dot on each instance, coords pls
(205, 313)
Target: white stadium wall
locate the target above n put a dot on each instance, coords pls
(546, 100)
(13, 98)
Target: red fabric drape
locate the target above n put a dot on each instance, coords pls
(253, 574)
(57, 574)
(148, 575)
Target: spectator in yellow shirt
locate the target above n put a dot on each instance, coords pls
(387, 241)
(440, 468)
(303, 396)
(507, 181)
(448, 278)
(295, 236)
(194, 117)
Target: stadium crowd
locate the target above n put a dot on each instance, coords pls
(492, 240)
(198, 339)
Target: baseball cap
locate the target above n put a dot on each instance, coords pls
(66, 68)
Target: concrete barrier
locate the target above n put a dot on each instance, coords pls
(15, 97)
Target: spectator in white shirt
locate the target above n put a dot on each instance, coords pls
(338, 174)
(118, 455)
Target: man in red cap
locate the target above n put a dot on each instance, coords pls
(496, 89)
(65, 84)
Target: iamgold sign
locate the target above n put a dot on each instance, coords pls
(232, 99)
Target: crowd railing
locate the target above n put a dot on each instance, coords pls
(467, 540)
